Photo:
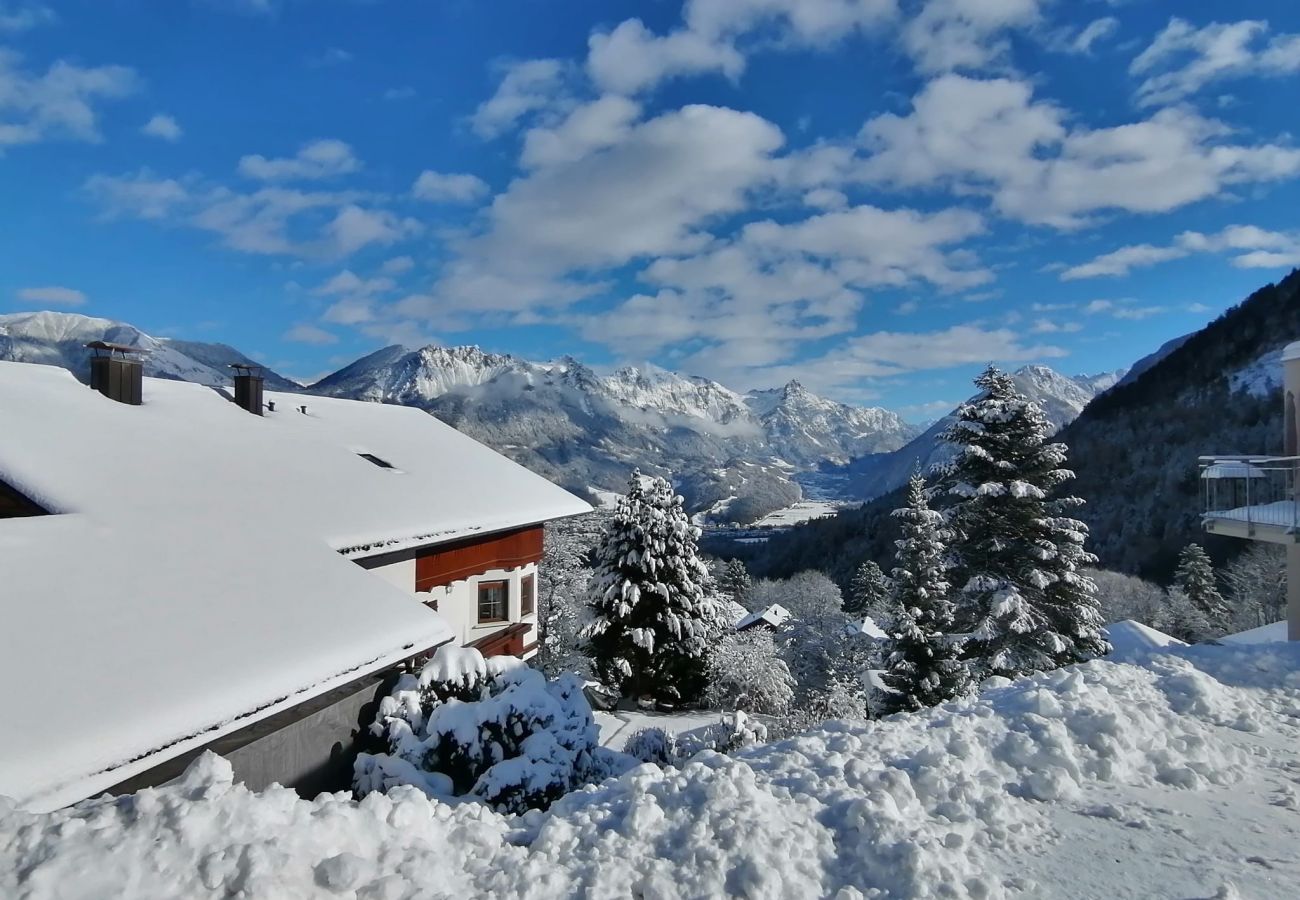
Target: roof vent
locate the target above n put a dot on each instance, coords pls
(117, 371)
(382, 463)
(248, 386)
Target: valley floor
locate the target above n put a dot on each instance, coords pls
(1175, 774)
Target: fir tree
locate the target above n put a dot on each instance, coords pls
(1195, 576)
(923, 666)
(1022, 598)
(1181, 618)
(734, 580)
(869, 594)
(655, 616)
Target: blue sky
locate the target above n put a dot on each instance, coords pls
(876, 197)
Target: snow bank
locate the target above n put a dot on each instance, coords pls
(920, 805)
(1129, 637)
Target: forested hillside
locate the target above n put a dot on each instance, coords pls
(1134, 450)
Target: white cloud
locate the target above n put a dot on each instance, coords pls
(269, 220)
(447, 187)
(990, 136)
(1094, 31)
(593, 126)
(52, 295)
(1252, 248)
(162, 126)
(306, 333)
(1049, 326)
(15, 18)
(1183, 58)
(631, 58)
(59, 104)
(397, 265)
(1123, 309)
(318, 159)
(948, 35)
(526, 87)
(1122, 261)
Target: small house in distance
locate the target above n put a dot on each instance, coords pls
(235, 570)
(1258, 497)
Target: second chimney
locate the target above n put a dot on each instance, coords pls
(248, 386)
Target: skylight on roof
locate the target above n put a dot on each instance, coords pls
(382, 463)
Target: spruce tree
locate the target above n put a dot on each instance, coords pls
(734, 580)
(655, 616)
(923, 665)
(1021, 597)
(1195, 576)
(869, 594)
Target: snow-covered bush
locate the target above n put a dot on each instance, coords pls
(489, 729)
(653, 745)
(746, 673)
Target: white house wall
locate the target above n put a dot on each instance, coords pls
(457, 602)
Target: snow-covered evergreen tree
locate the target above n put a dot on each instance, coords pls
(923, 666)
(562, 593)
(656, 616)
(1021, 596)
(1195, 577)
(869, 594)
(747, 674)
(734, 581)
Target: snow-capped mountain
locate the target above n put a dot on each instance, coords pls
(732, 453)
(59, 339)
(1061, 397)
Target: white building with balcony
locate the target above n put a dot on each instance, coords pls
(1258, 497)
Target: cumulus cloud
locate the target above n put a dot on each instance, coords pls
(632, 58)
(60, 103)
(163, 127)
(447, 187)
(318, 159)
(526, 87)
(948, 35)
(1183, 58)
(270, 220)
(1250, 247)
(992, 137)
(52, 295)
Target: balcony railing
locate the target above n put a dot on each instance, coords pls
(1254, 490)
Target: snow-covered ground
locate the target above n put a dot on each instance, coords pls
(798, 512)
(1174, 775)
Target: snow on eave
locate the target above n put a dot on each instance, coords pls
(1291, 352)
(88, 785)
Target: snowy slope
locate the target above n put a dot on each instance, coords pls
(59, 339)
(1061, 397)
(1174, 777)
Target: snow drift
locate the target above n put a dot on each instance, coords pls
(961, 801)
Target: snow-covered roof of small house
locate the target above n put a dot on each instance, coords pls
(196, 575)
(1264, 634)
(1232, 468)
(1128, 637)
(1291, 351)
(733, 612)
(775, 615)
(869, 628)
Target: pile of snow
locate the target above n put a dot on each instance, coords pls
(1129, 637)
(1173, 777)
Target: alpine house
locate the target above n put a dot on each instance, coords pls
(183, 568)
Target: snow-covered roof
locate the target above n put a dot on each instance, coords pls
(733, 612)
(198, 576)
(869, 628)
(1264, 634)
(775, 615)
(1291, 351)
(1128, 637)
(1232, 468)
